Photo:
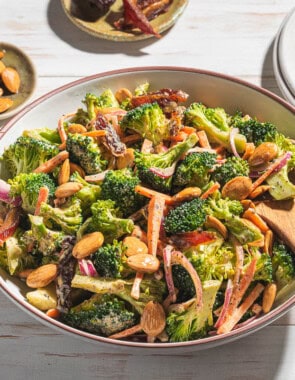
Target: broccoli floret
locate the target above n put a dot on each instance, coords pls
(27, 186)
(106, 218)
(148, 164)
(280, 185)
(14, 257)
(89, 193)
(67, 218)
(94, 103)
(101, 314)
(110, 260)
(264, 270)
(222, 208)
(84, 151)
(26, 154)
(233, 167)
(43, 240)
(213, 122)
(188, 322)
(150, 289)
(189, 216)
(48, 135)
(183, 283)
(194, 170)
(148, 120)
(283, 264)
(212, 261)
(255, 131)
(119, 185)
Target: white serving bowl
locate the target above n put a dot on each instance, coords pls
(210, 88)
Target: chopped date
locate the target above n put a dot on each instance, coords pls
(163, 97)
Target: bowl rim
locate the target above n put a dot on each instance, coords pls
(194, 344)
(30, 63)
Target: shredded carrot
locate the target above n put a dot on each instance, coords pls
(131, 138)
(128, 332)
(210, 191)
(256, 219)
(241, 310)
(50, 165)
(42, 197)
(188, 130)
(61, 130)
(203, 139)
(249, 149)
(181, 136)
(155, 214)
(266, 174)
(149, 193)
(98, 133)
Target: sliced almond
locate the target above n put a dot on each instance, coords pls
(153, 319)
(5, 104)
(144, 263)
(259, 191)
(42, 276)
(134, 246)
(67, 189)
(11, 79)
(76, 168)
(89, 244)
(64, 173)
(268, 242)
(237, 188)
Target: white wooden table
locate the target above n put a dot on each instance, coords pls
(233, 37)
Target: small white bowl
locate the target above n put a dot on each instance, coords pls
(16, 58)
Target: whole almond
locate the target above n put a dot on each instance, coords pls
(42, 276)
(237, 188)
(11, 79)
(134, 246)
(269, 296)
(144, 263)
(153, 319)
(67, 189)
(64, 173)
(2, 67)
(5, 104)
(88, 245)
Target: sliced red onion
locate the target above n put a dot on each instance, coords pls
(179, 258)
(10, 224)
(284, 161)
(232, 135)
(167, 252)
(239, 261)
(164, 173)
(227, 297)
(87, 268)
(4, 194)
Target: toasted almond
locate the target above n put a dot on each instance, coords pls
(123, 94)
(42, 276)
(144, 263)
(76, 128)
(88, 245)
(64, 173)
(134, 246)
(237, 188)
(263, 153)
(268, 242)
(67, 189)
(247, 203)
(212, 222)
(153, 319)
(5, 104)
(11, 79)
(76, 168)
(269, 296)
(2, 66)
(126, 160)
(186, 194)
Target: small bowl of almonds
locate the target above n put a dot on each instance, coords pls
(17, 79)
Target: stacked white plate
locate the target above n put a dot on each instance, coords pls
(284, 57)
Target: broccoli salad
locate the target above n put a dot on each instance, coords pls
(136, 217)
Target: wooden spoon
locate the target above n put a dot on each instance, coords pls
(280, 216)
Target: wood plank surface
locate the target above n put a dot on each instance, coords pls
(233, 37)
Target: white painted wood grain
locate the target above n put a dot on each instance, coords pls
(233, 37)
